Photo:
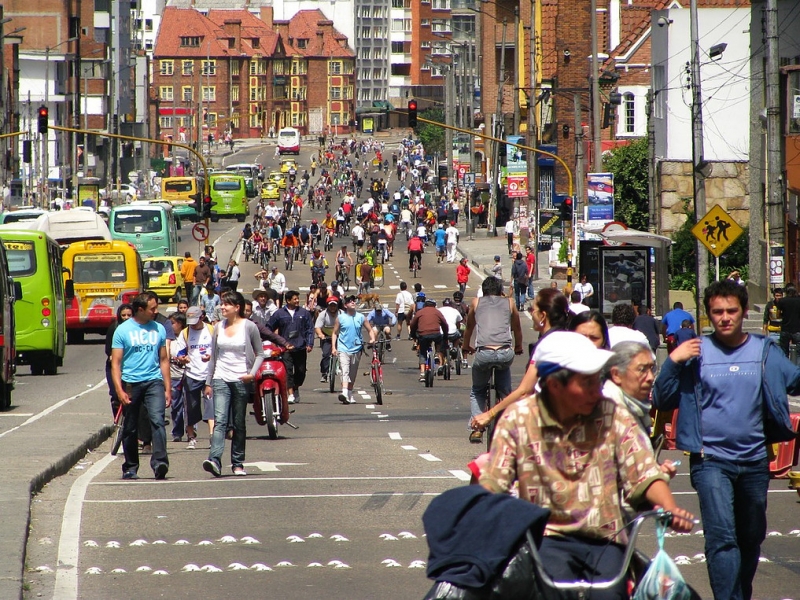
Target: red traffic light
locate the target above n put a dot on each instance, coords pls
(568, 201)
(43, 111)
(412, 105)
(42, 119)
(412, 113)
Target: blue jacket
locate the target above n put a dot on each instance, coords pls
(298, 331)
(678, 386)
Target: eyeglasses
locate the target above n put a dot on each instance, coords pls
(642, 370)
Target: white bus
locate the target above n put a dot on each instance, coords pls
(289, 141)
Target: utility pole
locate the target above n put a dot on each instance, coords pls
(533, 142)
(518, 44)
(661, 287)
(577, 202)
(698, 159)
(498, 133)
(597, 150)
(449, 114)
(774, 186)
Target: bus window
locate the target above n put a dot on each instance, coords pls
(131, 221)
(178, 186)
(21, 258)
(227, 185)
(99, 268)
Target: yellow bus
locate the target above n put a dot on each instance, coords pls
(181, 193)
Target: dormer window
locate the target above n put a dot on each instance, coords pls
(255, 42)
(192, 41)
(302, 43)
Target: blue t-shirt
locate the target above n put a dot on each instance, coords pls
(673, 319)
(683, 335)
(350, 340)
(140, 346)
(732, 404)
(382, 318)
(440, 236)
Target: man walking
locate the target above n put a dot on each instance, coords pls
(141, 376)
(452, 241)
(403, 308)
(296, 326)
(731, 388)
(202, 275)
(790, 318)
(348, 343)
(187, 271)
(519, 275)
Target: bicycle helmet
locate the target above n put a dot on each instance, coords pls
(430, 302)
(458, 296)
(313, 221)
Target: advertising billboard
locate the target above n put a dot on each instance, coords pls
(600, 189)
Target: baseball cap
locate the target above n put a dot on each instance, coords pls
(497, 257)
(568, 350)
(332, 300)
(193, 315)
(447, 302)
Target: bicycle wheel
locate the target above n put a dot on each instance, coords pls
(116, 442)
(446, 369)
(459, 358)
(332, 372)
(381, 347)
(378, 385)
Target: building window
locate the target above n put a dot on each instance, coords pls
(255, 42)
(397, 47)
(234, 65)
(441, 5)
(425, 23)
(209, 94)
(209, 67)
(212, 120)
(425, 44)
(166, 67)
(165, 93)
(148, 24)
(235, 93)
(629, 102)
(190, 41)
(335, 67)
(335, 93)
(231, 43)
(302, 43)
(463, 25)
(187, 67)
(187, 93)
(165, 122)
(440, 25)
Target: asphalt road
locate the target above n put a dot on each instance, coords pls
(332, 509)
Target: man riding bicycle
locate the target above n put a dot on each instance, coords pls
(343, 261)
(318, 266)
(429, 327)
(289, 241)
(382, 318)
(415, 249)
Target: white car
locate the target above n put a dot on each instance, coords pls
(126, 191)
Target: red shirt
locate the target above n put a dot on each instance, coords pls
(462, 273)
(415, 245)
(530, 260)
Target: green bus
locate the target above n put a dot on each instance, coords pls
(34, 261)
(228, 197)
(151, 227)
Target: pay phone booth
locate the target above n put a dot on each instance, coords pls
(619, 274)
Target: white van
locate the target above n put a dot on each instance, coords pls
(67, 226)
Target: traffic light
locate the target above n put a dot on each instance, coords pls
(26, 151)
(197, 203)
(412, 114)
(566, 209)
(43, 118)
(207, 204)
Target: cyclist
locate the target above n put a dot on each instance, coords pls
(343, 261)
(429, 327)
(323, 327)
(357, 233)
(422, 231)
(416, 247)
(329, 223)
(382, 318)
(460, 305)
(383, 243)
(455, 322)
(289, 241)
(315, 232)
(440, 238)
(318, 266)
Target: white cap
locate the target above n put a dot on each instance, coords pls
(568, 350)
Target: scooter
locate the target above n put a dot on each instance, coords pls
(271, 400)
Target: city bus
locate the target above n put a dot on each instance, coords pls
(34, 261)
(289, 141)
(228, 197)
(101, 275)
(151, 227)
(9, 292)
(181, 193)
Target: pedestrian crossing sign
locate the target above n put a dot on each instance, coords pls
(717, 230)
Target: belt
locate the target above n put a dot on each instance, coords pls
(506, 347)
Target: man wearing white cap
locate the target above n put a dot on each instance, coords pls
(575, 453)
(383, 318)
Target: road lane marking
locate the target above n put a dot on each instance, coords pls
(394, 435)
(462, 475)
(52, 408)
(66, 585)
(408, 447)
(259, 497)
(222, 235)
(430, 457)
(256, 478)
(16, 414)
(271, 467)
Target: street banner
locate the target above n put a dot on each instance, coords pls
(600, 189)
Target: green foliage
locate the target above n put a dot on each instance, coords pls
(431, 136)
(629, 166)
(562, 252)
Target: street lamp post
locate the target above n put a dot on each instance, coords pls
(45, 140)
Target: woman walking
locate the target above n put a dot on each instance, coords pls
(236, 355)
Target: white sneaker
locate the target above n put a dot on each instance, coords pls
(343, 398)
(291, 399)
(351, 399)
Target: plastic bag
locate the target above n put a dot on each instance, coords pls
(663, 580)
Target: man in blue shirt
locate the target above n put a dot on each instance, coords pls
(348, 343)
(440, 239)
(383, 318)
(296, 325)
(731, 389)
(672, 322)
(141, 376)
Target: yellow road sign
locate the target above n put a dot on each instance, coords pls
(549, 224)
(717, 230)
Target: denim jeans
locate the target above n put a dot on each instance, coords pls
(326, 346)
(531, 291)
(230, 398)
(177, 409)
(481, 372)
(733, 505)
(151, 396)
(520, 291)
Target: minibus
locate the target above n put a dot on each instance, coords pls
(151, 227)
(181, 193)
(228, 197)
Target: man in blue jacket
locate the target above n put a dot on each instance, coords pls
(296, 325)
(731, 388)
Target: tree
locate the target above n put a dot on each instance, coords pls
(631, 187)
(431, 136)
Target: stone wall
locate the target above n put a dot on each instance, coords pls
(727, 186)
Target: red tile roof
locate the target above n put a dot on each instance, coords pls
(308, 25)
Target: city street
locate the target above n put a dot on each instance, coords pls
(332, 509)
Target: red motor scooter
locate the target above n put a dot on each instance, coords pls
(271, 400)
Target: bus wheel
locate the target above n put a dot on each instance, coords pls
(5, 396)
(74, 337)
(37, 368)
(241, 218)
(215, 219)
(50, 365)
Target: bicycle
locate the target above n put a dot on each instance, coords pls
(376, 369)
(305, 252)
(430, 365)
(447, 367)
(247, 250)
(492, 385)
(333, 371)
(119, 423)
(343, 277)
(384, 252)
(415, 266)
(289, 258)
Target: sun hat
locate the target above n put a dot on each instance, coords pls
(568, 350)
(258, 293)
(193, 315)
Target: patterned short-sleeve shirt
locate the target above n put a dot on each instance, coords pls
(578, 473)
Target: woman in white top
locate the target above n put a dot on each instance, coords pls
(236, 355)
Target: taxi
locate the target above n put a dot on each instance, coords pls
(165, 276)
(279, 179)
(288, 164)
(270, 191)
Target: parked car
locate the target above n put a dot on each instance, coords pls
(165, 276)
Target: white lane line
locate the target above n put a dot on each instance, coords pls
(66, 585)
(462, 475)
(257, 479)
(16, 414)
(394, 435)
(382, 416)
(430, 457)
(440, 287)
(240, 498)
(408, 447)
(394, 287)
(369, 406)
(52, 408)
(223, 234)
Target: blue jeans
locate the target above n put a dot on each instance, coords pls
(733, 505)
(177, 409)
(230, 397)
(485, 360)
(198, 287)
(531, 291)
(520, 291)
(151, 396)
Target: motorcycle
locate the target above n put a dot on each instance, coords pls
(271, 400)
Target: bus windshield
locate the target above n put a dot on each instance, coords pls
(21, 258)
(137, 221)
(99, 268)
(178, 186)
(227, 185)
